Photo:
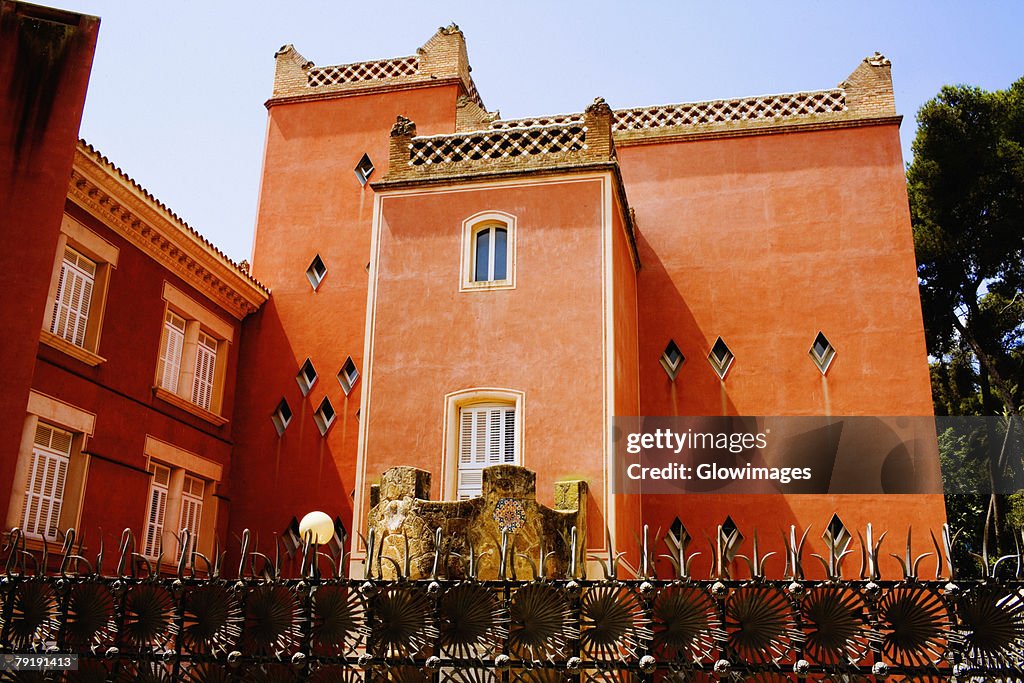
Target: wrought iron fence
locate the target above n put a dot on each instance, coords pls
(199, 624)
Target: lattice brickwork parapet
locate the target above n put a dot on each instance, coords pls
(726, 111)
(553, 120)
(363, 71)
(443, 58)
(512, 142)
(501, 150)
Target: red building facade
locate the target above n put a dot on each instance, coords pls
(451, 290)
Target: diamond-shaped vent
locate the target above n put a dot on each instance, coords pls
(731, 539)
(363, 169)
(678, 533)
(281, 417)
(324, 416)
(837, 535)
(316, 271)
(672, 359)
(348, 375)
(822, 352)
(721, 358)
(306, 377)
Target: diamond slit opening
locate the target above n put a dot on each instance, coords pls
(307, 377)
(822, 352)
(672, 359)
(281, 417)
(348, 375)
(316, 271)
(324, 416)
(363, 169)
(721, 358)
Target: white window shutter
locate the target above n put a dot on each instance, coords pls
(155, 518)
(206, 363)
(487, 436)
(191, 509)
(44, 494)
(170, 351)
(74, 297)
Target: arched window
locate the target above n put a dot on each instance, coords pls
(490, 255)
(483, 427)
(488, 251)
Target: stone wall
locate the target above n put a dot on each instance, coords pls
(403, 517)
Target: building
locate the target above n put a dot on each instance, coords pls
(533, 278)
(451, 290)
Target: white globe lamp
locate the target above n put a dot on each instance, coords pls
(319, 526)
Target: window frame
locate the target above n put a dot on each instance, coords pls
(68, 418)
(455, 402)
(88, 244)
(472, 227)
(183, 465)
(202, 327)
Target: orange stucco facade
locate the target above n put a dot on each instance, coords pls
(761, 228)
(417, 261)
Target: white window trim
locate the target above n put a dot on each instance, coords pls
(81, 423)
(470, 227)
(199, 321)
(185, 463)
(74, 235)
(454, 402)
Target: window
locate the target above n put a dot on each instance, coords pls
(192, 508)
(157, 509)
(49, 476)
(488, 254)
(70, 314)
(48, 472)
(316, 271)
(487, 436)
(78, 292)
(348, 375)
(182, 495)
(483, 426)
(672, 359)
(324, 416)
(170, 351)
(281, 417)
(192, 359)
(306, 377)
(363, 169)
(822, 352)
(721, 358)
(173, 488)
(206, 364)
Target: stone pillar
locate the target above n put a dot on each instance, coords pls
(598, 120)
(402, 134)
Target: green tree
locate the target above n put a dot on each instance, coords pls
(966, 189)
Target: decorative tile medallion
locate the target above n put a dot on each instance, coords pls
(510, 514)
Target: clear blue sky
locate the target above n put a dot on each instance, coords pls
(177, 90)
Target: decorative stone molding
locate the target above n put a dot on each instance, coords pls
(124, 206)
(402, 511)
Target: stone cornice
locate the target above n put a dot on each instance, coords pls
(123, 205)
